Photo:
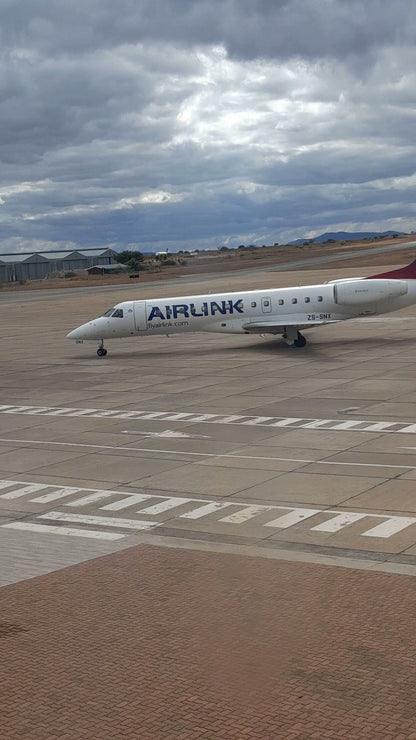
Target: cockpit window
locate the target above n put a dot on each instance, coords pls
(118, 313)
(109, 312)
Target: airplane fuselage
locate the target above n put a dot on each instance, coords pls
(275, 311)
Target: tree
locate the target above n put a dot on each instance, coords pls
(128, 256)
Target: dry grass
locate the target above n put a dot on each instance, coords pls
(212, 262)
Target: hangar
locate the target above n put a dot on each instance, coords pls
(37, 265)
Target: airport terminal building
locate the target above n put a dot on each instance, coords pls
(37, 265)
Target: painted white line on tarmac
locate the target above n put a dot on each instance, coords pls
(380, 426)
(59, 516)
(130, 499)
(339, 522)
(56, 495)
(70, 531)
(244, 515)
(167, 505)
(210, 508)
(92, 498)
(34, 488)
(391, 526)
(167, 433)
(294, 517)
(360, 425)
(284, 422)
(211, 454)
(316, 424)
(330, 520)
(346, 425)
(7, 484)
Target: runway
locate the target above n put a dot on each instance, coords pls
(206, 441)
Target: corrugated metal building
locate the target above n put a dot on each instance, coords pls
(37, 265)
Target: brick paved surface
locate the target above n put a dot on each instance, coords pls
(162, 644)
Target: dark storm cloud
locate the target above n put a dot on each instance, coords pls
(271, 28)
(194, 122)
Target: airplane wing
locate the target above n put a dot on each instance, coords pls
(278, 327)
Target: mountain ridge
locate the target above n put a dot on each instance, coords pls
(348, 236)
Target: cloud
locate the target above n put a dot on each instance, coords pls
(309, 29)
(163, 123)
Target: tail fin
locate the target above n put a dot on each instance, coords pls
(403, 273)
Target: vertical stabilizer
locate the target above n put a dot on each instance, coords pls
(402, 273)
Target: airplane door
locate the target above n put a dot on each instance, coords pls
(266, 305)
(140, 319)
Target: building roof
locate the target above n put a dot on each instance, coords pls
(118, 266)
(10, 258)
(53, 256)
(95, 252)
(22, 257)
(56, 255)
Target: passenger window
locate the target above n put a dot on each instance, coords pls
(109, 312)
(294, 300)
(320, 299)
(118, 313)
(307, 300)
(266, 302)
(253, 304)
(280, 301)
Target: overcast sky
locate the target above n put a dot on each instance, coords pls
(154, 124)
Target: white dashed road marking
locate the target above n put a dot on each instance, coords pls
(245, 514)
(156, 507)
(34, 488)
(339, 522)
(49, 529)
(192, 417)
(205, 510)
(102, 521)
(390, 527)
(56, 495)
(293, 517)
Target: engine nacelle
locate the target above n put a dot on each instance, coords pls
(356, 292)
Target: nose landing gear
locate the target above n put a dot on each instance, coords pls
(101, 351)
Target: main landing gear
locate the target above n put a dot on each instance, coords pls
(101, 351)
(293, 337)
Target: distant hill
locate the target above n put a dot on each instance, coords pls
(346, 236)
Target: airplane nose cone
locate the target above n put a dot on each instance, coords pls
(90, 330)
(73, 334)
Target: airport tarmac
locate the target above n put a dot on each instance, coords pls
(170, 519)
(235, 443)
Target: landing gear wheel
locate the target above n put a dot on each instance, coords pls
(101, 351)
(300, 341)
(293, 337)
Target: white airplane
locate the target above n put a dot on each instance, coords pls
(283, 311)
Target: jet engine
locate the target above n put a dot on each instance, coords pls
(356, 292)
